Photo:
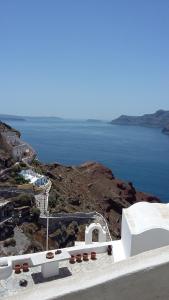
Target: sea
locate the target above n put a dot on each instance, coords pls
(133, 153)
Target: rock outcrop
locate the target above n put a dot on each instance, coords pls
(7, 128)
(11, 146)
(158, 119)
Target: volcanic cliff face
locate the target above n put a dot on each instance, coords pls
(89, 187)
(92, 187)
(5, 128)
(6, 159)
(159, 119)
(12, 145)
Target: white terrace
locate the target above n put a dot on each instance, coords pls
(34, 178)
(128, 273)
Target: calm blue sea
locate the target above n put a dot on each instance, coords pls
(136, 154)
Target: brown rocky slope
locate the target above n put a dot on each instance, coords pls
(92, 187)
(86, 188)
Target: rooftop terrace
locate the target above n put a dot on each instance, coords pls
(118, 275)
(70, 274)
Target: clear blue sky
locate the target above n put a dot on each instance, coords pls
(84, 58)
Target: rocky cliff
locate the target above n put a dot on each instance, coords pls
(12, 145)
(158, 119)
(92, 187)
(6, 159)
(5, 128)
(89, 187)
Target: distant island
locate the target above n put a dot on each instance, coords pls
(159, 119)
(93, 120)
(44, 117)
(4, 117)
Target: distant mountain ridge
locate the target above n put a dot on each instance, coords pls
(159, 119)
(11, 118)
(5, 117)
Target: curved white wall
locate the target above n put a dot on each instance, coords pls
(89, 232)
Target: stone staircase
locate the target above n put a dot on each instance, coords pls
(42, 200)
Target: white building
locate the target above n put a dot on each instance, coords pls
(137, 269)
(34, 178)
(145, 226)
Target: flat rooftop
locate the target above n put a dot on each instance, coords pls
(71, 276)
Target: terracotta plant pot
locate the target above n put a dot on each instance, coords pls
(49, 255)
(78, 257)
(85, 256)
(72, 259)
(93, 255)
(109, 250)
(25, 267)
(17, 269)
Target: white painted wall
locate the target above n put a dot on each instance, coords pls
(89, 232)
(144, 227)
(5, 268)
(125, 236)
(148, 240)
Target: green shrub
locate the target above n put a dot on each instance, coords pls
(23, 165)
(20, 179)
(24, 200)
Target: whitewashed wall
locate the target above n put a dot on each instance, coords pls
(134, 244)
(149, 240)
(126, 236)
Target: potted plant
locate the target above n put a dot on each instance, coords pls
(17, 269)
(78, 257)
(72, 259)
(49, 255)
(93, 255)
(85, 257)
(25, 267)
